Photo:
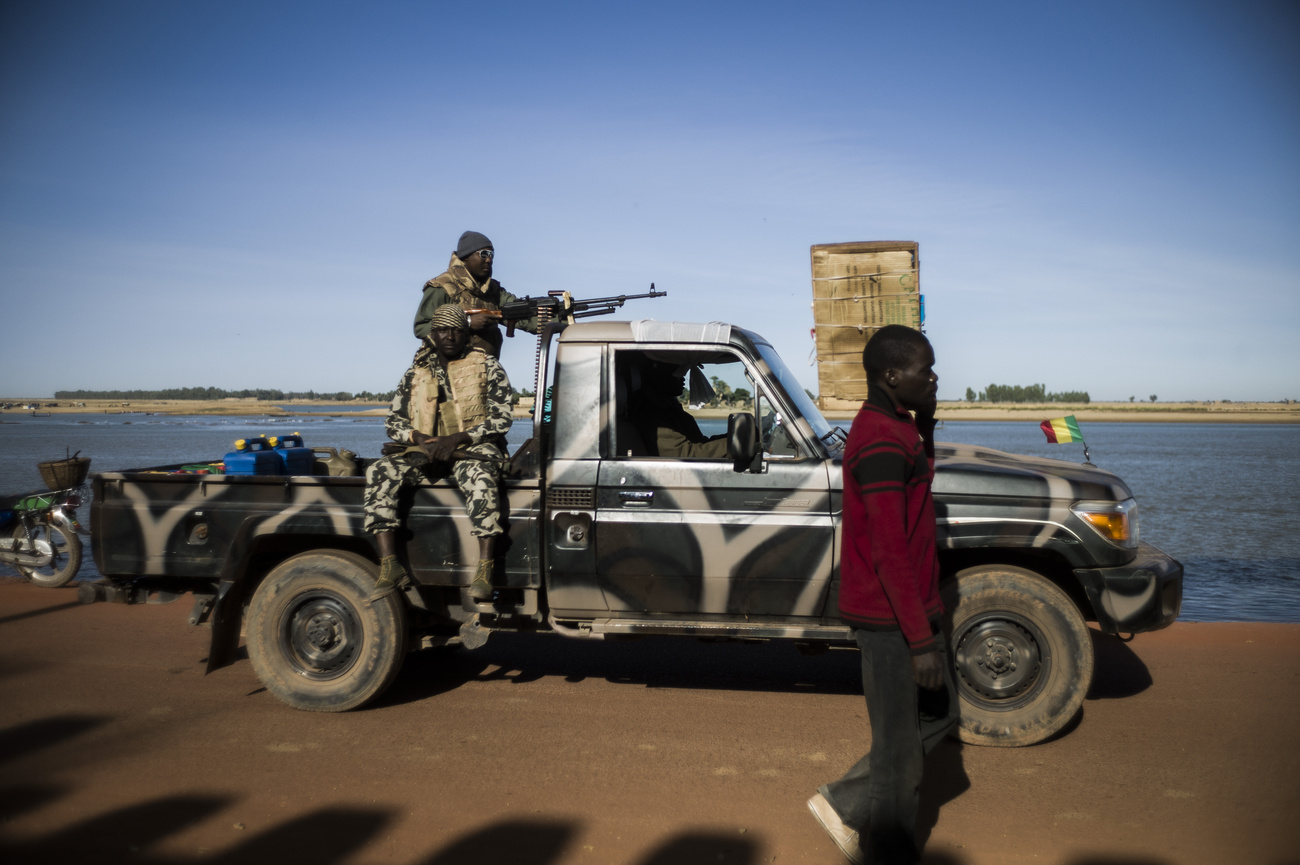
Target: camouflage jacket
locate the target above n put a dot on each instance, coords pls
(492, 429)
(455, 285)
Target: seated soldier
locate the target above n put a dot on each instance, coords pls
(667, 429)
(452, 405)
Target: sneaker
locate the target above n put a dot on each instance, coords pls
(481, 588)
(844, 837)
(391, 576)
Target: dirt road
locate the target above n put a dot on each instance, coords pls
(114, 747)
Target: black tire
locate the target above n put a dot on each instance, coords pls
(1021, 652)
(316, 642)
(67, 555)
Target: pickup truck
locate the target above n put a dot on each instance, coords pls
(606, 542)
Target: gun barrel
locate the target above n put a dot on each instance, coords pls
(528, 306)
(618, 299)
(609, 310)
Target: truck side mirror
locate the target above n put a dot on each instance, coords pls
(742, 441)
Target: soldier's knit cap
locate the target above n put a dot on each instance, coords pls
(470, 243)
(449, 315)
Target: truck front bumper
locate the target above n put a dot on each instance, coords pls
(1144, 595)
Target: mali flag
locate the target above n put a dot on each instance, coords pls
(1062, 430)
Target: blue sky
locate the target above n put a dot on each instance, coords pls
(1106, 195)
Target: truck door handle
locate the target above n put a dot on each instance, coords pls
(636, 498)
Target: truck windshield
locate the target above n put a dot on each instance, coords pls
(795, 393)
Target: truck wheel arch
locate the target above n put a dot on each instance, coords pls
(1021, 654)
(313, 638)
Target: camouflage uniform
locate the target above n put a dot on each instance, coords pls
(428, 381)
(455, 285)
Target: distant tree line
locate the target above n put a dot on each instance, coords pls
(214, 393)
(724, 396)
(1025, 393)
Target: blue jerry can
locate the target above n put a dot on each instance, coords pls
(295, 457)
(253, 456)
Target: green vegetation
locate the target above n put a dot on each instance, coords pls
(215, 393)
(1022, 393)
(209, 394)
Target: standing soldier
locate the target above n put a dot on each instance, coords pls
(468, 283)
(453, 400)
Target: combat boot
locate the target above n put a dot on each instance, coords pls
(481, 588)
(392, 576)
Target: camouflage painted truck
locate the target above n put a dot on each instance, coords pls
(606, 542)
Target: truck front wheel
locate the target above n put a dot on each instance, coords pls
(1021, 652)
(315, 642)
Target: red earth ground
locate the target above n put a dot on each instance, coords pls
(115, 747)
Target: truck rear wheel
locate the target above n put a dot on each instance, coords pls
(1022, 655)
(315, 641)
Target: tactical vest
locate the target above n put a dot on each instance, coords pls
(434, 412)
(489, 339)
(459, 294)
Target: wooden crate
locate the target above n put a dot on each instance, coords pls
(859, 288)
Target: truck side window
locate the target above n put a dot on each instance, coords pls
(650, 418)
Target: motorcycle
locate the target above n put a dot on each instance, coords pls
(38, 530)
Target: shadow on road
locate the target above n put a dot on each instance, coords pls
(25, 739)
(1117, 672)
(18, 800)
(325, 837)
(673, 662)
(698, 848)
(55, 608)
(1117, 859)
(321, 837)
(944, 780)
(652, 662)
(530, 842)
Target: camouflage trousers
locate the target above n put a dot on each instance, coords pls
(479, 482)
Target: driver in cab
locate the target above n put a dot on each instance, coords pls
(666, 428)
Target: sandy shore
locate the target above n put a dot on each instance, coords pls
(295, 408)
(1099, 412)
(1124, 412)
(115, 748)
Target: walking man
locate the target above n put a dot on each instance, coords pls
(468, 283)
(889, 595)
(452, 399)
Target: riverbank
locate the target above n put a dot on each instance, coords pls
(216, 408)
(1097, 412)
(1126, 412)
(116, 748)
(280, 408)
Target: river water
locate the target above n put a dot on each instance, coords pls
(1221, 498)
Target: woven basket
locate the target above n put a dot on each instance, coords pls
(65, 474)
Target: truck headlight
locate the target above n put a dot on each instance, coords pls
(1117, 522)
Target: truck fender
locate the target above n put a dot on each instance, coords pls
(228, 608)
(232, 588)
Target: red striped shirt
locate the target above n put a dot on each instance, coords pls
(889, 572)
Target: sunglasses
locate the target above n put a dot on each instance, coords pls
(485, 254)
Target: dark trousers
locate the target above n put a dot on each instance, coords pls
(879, 795)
